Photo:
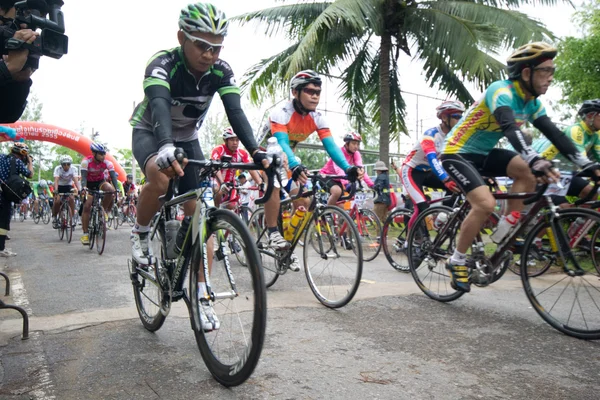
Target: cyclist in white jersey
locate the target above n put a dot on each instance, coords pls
(64, 177)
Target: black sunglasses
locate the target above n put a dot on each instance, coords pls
(312, 92)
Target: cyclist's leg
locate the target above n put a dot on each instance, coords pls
(412, 181)
(5, 215)
(482, 205)
(335, 192)
(108, 199)
(502, 162)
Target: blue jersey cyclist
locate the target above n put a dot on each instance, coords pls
(585, 135)
(470, 146)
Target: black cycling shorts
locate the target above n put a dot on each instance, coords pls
(467, 169)
(577, 185)
(64, 189)
(144, 147)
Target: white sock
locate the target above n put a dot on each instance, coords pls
(140, 228)
(458, 258)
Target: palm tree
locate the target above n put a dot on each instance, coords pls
(361, 40)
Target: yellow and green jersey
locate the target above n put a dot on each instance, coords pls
(478, 132)
(583, 137)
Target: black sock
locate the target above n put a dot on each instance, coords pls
(272, 230)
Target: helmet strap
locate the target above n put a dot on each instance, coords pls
(298, 105)
(529, 85)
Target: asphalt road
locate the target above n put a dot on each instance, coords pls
(390, 342)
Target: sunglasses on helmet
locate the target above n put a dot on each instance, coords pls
(204, 45)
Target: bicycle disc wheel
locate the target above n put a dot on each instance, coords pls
(258, 230)
(334, 270)
(232, 351)
(428, 264)
(394, 235)
(369, 230)
(569, 301)
(100, 231)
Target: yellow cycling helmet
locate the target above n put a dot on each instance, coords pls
(529, 55)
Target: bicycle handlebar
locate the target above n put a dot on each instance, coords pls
(211, 166)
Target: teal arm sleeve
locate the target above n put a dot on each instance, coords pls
(284, 141)
(335, 153)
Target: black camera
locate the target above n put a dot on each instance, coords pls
(52, 41)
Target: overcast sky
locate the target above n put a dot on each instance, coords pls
(97, 83)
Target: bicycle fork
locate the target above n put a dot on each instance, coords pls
(559, 243)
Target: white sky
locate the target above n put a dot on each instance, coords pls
(98, 81)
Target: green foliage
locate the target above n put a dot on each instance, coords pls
(578, 59)
(455, 40)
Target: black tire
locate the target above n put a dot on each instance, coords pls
(131, 214)
(92, 226)
(231, 367)
(369, 229)
(62, 221)
(574, 311)
(428, 267)
(36, 217)
(148, 296)
(394, 235)
(258, 230)
(46, 214)
(100, 231)
(333, 286)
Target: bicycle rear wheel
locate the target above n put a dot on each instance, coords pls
(258, 230)
(394, 235)
(131, 214)
(428, 263)
(239, 298)
(333, 259)
(100, 231)
(61, 223)
(369, 230)
(569, 301)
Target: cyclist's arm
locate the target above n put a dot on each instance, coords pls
(84, 177)
(284, 141)
(560, 140)
(428, 146)
(56, 185)
(595, 149)
(359, 162)
(506, 120)
(77, 183)
(332, 149)
(157, 88)
(113, 178)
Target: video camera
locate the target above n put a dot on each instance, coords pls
(52, 41)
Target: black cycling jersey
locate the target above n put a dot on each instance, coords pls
(176, 103)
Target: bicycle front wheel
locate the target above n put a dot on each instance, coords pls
(428, 254)
(394, 235)
(238, 301)
(100, 231)
(565, 295)
(333, 258)
(46, 214)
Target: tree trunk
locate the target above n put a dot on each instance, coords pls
(384, 96)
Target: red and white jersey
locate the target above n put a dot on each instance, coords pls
(95, 170)
(240, 156)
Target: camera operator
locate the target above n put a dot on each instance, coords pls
(14, 80)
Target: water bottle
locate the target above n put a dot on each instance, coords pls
(181, 232)
(575, 226)
(505, 225)
(207, 194)
(171, 230)
(273, 148)
(440, 220)
(294, 223)
(286, 218)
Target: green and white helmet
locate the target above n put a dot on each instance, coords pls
(203, 17)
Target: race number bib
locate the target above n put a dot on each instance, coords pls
(555, 189)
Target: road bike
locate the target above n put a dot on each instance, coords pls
(332, 250)
(237, 292)
(566, 295)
